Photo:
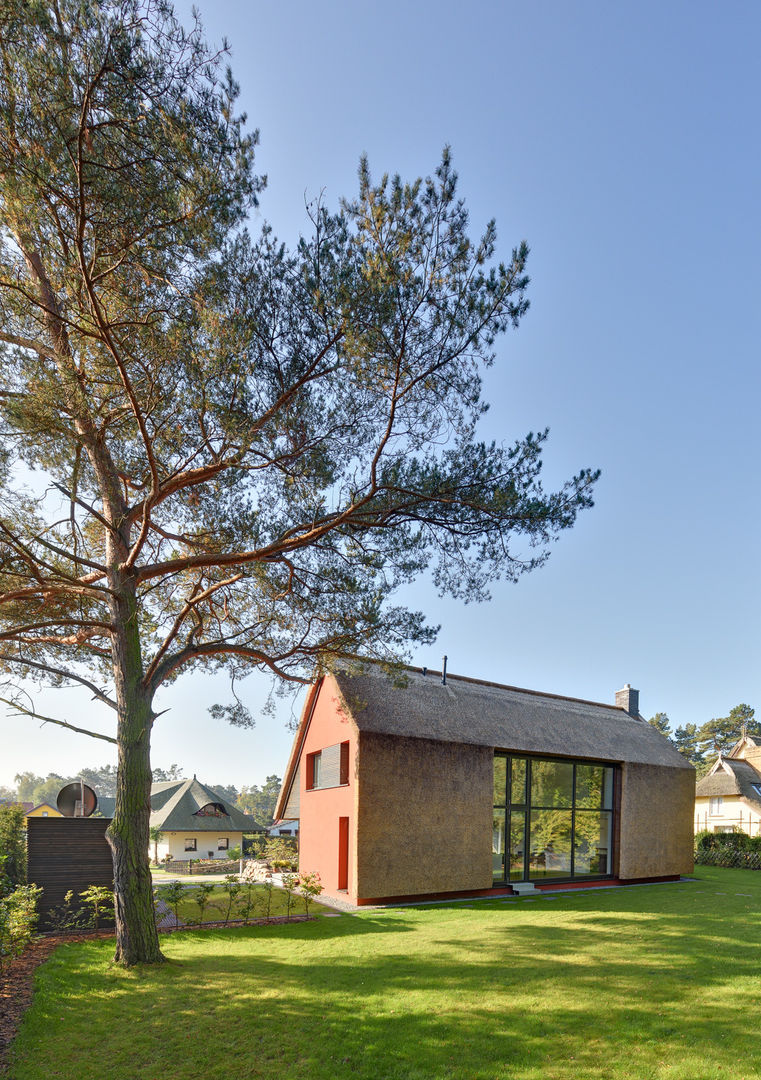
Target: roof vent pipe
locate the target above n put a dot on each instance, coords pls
(444, 671)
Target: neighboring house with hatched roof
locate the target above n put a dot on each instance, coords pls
(196, 822)
(453, 786)
(728, 798)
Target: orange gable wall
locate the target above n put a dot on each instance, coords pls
(321, 808)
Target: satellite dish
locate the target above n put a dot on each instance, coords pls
(77, 800)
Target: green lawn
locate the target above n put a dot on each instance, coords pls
(657, 981)
(218, 902)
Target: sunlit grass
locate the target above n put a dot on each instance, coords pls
(263, 903)
(651, 982)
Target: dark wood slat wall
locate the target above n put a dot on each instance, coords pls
(67, 853)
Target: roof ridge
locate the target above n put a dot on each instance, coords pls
(518, 689)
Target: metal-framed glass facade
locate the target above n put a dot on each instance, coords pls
(553, 819)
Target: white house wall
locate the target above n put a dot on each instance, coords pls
(733, 814)
(173, 843)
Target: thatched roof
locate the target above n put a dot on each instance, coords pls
(174, 805)
(502, 717)
(473, 712)
(731, 776)
(180, 802)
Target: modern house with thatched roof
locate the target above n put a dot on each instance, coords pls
(452, 786)
(728, 798)
(196, 822)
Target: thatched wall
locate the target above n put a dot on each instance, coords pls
(656, 838)
(424, 817)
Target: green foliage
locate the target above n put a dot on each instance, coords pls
(260, 802)
(174, 772)
(39, 789)
(69, 916)
(661, 723)
(25, 785)
(290, 883)
(310, 887)
(267, 885)
(202, 896)
(228, 792)
(255, 448)
(12, 845)
(248, 901)
(101, 778)
(281, 852)
(734, 841)
(18, 918)
(172, 894)
(232, 888)
(686, 742)
(100, 900)
(156, 836)
(718, 736)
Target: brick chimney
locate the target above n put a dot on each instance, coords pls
(628, 700)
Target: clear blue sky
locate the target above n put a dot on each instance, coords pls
(621, 141)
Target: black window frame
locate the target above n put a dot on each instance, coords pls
(506, 807)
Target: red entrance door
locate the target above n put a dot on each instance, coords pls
(343, 853)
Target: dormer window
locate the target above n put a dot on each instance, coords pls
(212, 809)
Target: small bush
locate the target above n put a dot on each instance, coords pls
(310, 887)
(172, 894)
(67, 917)
(100, 900)
(18, 918)
(290, 884)
(202, 896)
(232, 887)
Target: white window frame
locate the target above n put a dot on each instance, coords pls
(715, 806)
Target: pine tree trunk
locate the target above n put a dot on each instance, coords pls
(128, 834)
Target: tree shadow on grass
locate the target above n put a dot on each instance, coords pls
(389, 1016)
(654, 984)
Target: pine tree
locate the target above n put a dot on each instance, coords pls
(686, 741)
(240, 452)
(661, 723)
(718, 736)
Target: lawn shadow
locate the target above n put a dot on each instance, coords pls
(588, 986)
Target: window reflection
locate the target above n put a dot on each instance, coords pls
(552, 783)
(550, 844)
(592, 842)
(517, 841)
(500, 781)
(498, 847)
(557, 822)
(518, 781)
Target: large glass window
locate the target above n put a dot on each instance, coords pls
(553, 819)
